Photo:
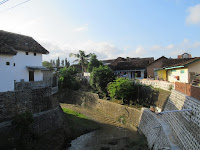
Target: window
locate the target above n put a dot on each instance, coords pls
(14, 64)
(8, 63)
(34, 54)
(26, 53)
(182, 71)
(31, 75)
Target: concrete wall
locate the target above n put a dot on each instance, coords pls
(194, 67)
(22, 60)
(162, 75)
(158, 84)
(7, 73)
(11, 73)
(182, 73)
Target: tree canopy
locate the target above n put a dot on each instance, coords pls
(94, 62)
(82, 59)
(100, 77)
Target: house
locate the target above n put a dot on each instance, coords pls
(129, 67)
(158, 63)
(184, 71)
(20, 61)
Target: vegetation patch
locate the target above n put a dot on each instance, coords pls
(78, 123)
(122, 119)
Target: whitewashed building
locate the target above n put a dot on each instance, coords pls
(20, 60)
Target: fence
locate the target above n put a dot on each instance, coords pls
(158, 84)
(188, 89)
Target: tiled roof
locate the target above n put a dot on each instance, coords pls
(175, 62)
(9, 42)
(130, 64)
(182, 62)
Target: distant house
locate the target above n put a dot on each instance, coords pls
(20, 61)
(158, 63)
(130, 67)
(182, 71)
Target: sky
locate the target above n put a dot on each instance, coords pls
(108, 28)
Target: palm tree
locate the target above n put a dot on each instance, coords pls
(82, 59)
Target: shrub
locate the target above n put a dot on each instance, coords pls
(67, 79)
(23, 121)
(123, 89)
(100, 77)
(131, 92)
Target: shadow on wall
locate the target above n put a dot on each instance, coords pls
(85, 99)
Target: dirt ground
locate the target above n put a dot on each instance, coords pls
(111, 136)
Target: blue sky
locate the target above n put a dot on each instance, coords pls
(109, 28)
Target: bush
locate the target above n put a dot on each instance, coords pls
(100, 77)
(67, 79)
(123, 89)
(131, 92)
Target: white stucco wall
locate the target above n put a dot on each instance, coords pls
(7, 73)
(194, 67)
(10, 73)
(22, 60)
(183, 77)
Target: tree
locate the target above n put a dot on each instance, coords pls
(58, 62)
(100, 77)
(46, 64)
(62, 62)
(67, 64)
(82, 59)
(54, 63)
(94, 62)
(122, 88)
(67, 78)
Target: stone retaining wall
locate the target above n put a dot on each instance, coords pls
(33, 100)
(51, 122)
(131, 115)
(154, 131)
(186, 124)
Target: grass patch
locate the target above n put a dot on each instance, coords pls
(78, 123)
(74, 113)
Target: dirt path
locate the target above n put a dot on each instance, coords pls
(112, 135)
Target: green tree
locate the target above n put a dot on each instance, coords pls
(122, 88)
(94, 62)
(82, 59)
(67, 79)
(58, 62)
(67, 64)
(62, 62)
(46, 64)
(100, 77)
(54, 63)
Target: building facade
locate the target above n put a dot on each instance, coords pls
(20, 60)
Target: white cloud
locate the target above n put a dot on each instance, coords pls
(194, 15)
(81, 29)
(103, 50)
(140, 50)
(170, 46)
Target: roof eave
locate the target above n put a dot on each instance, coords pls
(174, 67)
